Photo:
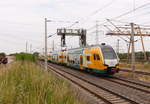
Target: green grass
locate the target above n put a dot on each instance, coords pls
(26, 83)
(25, 57)
(138, 67)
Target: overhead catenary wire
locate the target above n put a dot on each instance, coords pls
(117, 17)
(135, 9)
(126, 13)
(93, 13)
(98, 10)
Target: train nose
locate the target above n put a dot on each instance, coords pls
(111, 62)
(113, 70)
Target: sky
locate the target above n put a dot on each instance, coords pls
(22, 21)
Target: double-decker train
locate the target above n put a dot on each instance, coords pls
(101, 59)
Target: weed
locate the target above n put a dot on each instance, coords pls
(26, 83)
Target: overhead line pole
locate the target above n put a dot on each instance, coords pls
(129, 47)
(118, 45)
(30, 48)
(97, 40)
(45, 43)
(26, 46)
(145, 56)
(133, 49)
(53, 45)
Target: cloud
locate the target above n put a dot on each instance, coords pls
(23, 20)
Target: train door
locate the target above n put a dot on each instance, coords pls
(81, 62)
(96, 60)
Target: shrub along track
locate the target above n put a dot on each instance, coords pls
(110, 90)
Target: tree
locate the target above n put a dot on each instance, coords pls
(2, 55)
(36, 54)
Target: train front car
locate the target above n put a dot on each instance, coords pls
(110, 59)
(100, 59)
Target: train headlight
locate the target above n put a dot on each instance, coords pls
(117, 64)
(106, 65)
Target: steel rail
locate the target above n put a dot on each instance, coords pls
(137, 72)
(114, 93)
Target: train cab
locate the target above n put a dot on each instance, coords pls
(110, 58)
(101, 59)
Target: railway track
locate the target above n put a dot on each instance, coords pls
(129, 84)
(109, 96)
(136, 82)
(137, 72)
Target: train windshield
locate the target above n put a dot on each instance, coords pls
(108, 53)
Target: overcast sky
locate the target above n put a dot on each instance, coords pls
(23, 20)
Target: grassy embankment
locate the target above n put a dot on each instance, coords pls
(138, 67)
(23, 82)
(26, 57)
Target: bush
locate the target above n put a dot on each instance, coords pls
(26, 57)
(2, 55)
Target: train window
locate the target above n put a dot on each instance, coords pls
(108, 53)
(67, 58)
(88, 58)
(57, 58)
(98, 58)
(94, 57)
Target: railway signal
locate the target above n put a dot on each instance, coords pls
(63, 32)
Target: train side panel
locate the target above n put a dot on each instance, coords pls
(100, 59)
(94, 60)
(74, 58)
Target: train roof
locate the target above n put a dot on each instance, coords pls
(81, 48)
(97, 45)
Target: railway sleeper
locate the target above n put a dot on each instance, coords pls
(98, 91)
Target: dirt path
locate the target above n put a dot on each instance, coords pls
(10, 59)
